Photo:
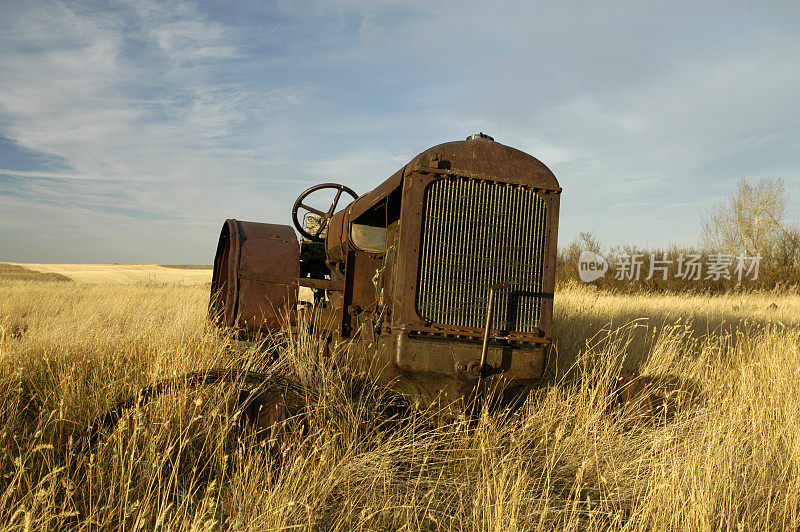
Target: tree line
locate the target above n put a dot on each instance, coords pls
(745, 243)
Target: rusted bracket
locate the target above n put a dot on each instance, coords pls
(321, 284)
(264, 278)
(478, 369)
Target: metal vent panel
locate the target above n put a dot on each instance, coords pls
(475, 234)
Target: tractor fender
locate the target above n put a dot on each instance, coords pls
(254, 284)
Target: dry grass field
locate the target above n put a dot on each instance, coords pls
(721, 452)
(121, 273)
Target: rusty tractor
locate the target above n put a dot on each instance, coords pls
(442, 277)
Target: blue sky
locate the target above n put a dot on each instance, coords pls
(129, 131)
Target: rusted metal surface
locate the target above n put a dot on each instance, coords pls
(360, 291)
(268, 413)
(457, 358)
(485, 159)
(470, 333)
(263, 400)
(254, 283)
(631, 397)
(410, 266)
(336, 241)
(378, 194)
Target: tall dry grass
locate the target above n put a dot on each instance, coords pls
(723, 451)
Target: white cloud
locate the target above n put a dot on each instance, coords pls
(154, 114)
(50, 175)
(195, 112)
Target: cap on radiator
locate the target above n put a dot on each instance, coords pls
(480, 136)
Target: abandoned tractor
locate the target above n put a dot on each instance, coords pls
(441, 278)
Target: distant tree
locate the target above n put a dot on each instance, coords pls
(750, 221)
(587, 241)
(787, 249)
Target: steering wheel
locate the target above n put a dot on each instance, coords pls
(325, 217)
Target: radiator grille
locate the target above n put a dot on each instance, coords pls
(475, 234)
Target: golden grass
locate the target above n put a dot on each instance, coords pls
(723, 452)
(123, 273)
(188, 266)
(15, 272)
